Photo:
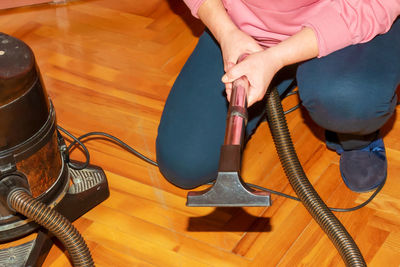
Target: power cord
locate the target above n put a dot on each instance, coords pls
(108, 137)
(292, 92)
(105, 136)
(332, 209)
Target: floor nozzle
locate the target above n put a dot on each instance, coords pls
(228, 191)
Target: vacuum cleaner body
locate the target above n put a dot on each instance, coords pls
(29, 143)
(31, 147)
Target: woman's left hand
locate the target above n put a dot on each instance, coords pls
(259, 68)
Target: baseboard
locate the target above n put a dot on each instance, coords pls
(4, 4)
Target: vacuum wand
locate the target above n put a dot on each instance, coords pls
(229, 190)
(237, 113)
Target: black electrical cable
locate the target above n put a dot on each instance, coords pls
(292, 92)
(292, 109)
(78, 140)
(373, 195)
(111, 137)
(68, 149)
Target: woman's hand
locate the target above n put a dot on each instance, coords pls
(233, 41)
(235, 44)
(259, 68)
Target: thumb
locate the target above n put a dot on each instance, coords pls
(228, 65)
(232, 74)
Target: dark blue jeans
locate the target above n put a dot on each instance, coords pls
(351, 92)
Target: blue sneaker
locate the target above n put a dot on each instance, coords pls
(364, 169)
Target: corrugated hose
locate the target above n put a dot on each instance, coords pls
(57, 224)
(334, 229)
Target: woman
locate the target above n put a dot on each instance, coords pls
(347, 77)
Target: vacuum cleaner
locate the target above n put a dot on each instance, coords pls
(229, 190)
(39, 191)
(42, 191)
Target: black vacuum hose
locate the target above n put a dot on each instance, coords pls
(57, 224)
(339, 236)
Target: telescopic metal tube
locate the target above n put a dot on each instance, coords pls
(237, 113)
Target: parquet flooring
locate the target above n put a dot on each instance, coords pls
(108, 66)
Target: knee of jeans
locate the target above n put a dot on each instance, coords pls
(185, 166)
(339, 107)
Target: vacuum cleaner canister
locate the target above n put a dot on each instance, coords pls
(29, 143)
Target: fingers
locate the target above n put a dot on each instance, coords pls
(228, 94)
(232, 74)
(228, 85)
(251, 99)
(255, 95)
(252, 96)
(250, 69)
(255, 89)
(228, 90)
(228, 65)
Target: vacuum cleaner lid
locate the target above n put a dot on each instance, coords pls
(24, 105)
(17, 68)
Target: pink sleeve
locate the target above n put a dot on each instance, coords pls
(194, 6)
(345, 22)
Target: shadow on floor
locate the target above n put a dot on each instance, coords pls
(229, 220)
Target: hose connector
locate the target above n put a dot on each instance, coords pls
(15, 196)
(8, 184)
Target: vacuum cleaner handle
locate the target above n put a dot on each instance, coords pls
(237, 112)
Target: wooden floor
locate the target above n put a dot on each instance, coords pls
(108, 66)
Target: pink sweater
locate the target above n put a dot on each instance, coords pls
(337, 23)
